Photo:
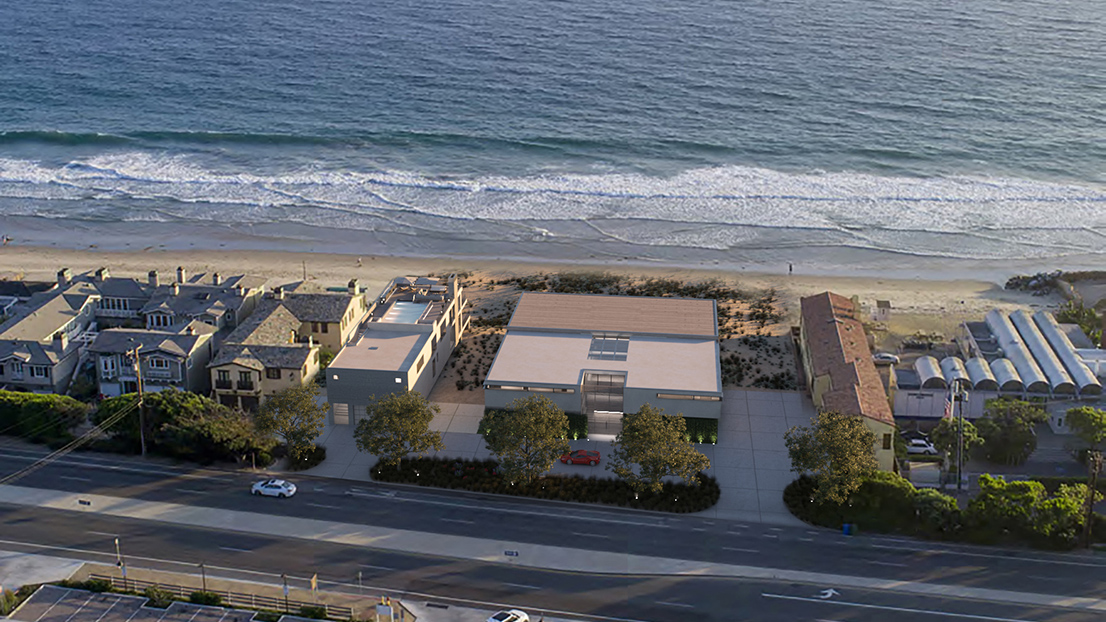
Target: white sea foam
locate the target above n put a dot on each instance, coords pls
(722, 208)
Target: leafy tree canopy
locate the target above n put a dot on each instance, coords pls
(1007, 429)
(657, 445)
(295, 415)
(1089, 424)
(1023, 510)
(397, 425)
(528, 437)
(838, 450)
(944, 437)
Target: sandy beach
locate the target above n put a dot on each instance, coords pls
(942, 300)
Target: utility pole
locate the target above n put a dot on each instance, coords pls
(203, 575)
(1094, 464)
(284, 578)
(960, 397)
(133, 352)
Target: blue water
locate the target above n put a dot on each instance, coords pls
(926, 128)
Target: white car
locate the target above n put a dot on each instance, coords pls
(885, 358)
(274, 488)
(511, 615)
(920, 446)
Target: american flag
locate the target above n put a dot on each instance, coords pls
(948, 405)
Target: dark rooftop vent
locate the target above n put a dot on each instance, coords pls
(202, 296)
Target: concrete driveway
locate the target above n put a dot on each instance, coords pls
(750, 460)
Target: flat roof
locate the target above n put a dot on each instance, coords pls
(382, 349)
(662, 363)
(619, 314)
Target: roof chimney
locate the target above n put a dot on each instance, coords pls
(353, 287)
(216, 279)
(63, 277)
(153, 280)
(174, 289)
(239, 290)
(180, 274)
(190, 330)
(278, 293)
(102, 274)
(291, 336)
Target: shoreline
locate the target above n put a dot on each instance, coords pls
(947, 297)
(556, 252)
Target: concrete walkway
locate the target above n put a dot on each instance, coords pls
(749, 461)
(490, 550)
(19, 569)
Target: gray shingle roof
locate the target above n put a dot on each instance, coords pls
(318, 307)
(269, 324)
(120, 340)
(29, 352)
(41, 316)
(260, 356)
(115, 287)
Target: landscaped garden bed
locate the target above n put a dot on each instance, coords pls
(484, 476)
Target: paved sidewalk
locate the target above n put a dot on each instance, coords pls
(490, 550)
(749, 461)
(19, 569)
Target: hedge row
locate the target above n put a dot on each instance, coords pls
(887, 503)
(1053, 483)
(313, 459)
(701, 430)
(46, 419)
(484, 476)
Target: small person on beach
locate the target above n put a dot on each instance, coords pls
(790, 268)
(358, 262)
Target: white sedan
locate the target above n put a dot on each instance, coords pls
(274, 488)
(885, 358)
(513, 615)
(920, 446)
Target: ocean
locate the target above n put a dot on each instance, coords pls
(903, 135)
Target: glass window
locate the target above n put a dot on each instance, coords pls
(272, 373)
(245, 376)
(223, 374)
(39, 371)
(324, 326)
(158, 363)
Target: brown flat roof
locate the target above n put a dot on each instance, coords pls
(616, 314)
(838, 347)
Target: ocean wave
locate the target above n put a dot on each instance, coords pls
(719, 207)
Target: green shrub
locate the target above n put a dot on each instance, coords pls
(313, 458)
(40, 418)
(92, 585)
(159, 597)
(1053, 483)
(577, 426)
(205, 598)
(701, 430)
(8, 602)
(313, 612)
(267, 616)
(484, 476)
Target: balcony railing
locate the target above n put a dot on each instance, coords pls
(245, 385)
(160, 373)
(224, 384)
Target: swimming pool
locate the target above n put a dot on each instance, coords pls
(403, 312)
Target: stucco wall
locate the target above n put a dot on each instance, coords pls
(635, 398)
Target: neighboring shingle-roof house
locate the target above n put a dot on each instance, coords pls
(175, 359)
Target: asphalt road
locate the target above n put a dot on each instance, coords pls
(448, 581)
(642, 598)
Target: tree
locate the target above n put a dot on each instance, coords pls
(295, 415)
(528, 437)
(838, 450)
(1023, 510)
(1007, 429)
(397, 425)
(1089, 424)
(944, 438)
(657, 444)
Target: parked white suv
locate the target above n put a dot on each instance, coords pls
(513, 615)
(885, 358)
(920, 446)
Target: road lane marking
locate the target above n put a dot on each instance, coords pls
(668, 603)
(236, 550)
(734, 548)
(323, 505)
(376, 567)
(698, 529)
(589, 535)
(104, 533)
(523, 586)
(193, 491)
(75, 478)
(769, 535)
(807, 539)
(456, 520)
(775, 529)
(1004, 557)
(888, 564)
(933, 612)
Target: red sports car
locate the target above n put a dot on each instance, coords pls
(581, 456)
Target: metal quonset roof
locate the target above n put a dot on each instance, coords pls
(1006, 375)
(1062, 346)
(1057, 376)
(1031, 376)
(929, 373)
(979, 372)
(952, 368)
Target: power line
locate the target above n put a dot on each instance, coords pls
(69, 447)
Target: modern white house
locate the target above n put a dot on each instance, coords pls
(403, 345)
(603, 356)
